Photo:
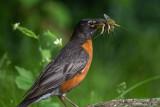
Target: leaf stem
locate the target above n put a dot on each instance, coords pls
(137, 85)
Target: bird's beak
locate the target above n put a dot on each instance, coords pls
(106, 24)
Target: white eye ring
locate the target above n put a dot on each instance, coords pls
(91, 22)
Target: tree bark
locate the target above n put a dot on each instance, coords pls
(153, 102)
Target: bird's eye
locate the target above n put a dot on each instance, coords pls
(91, 23)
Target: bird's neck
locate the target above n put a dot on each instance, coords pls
(81, 37)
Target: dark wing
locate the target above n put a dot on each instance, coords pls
(70, 62)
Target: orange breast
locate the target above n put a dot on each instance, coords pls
(75, 81)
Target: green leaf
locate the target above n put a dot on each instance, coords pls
(25, 31)
(46, 55)
(49, 34)
(53, 39)
(121, 87)
(48, 103)
(25, 78)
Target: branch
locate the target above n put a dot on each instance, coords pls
(153, 102)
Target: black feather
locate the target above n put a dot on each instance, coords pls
(26, 103)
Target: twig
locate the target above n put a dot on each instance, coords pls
(152, 102)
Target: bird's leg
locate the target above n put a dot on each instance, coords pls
(71, 102)
(62, 100)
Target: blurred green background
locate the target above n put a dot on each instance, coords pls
(125, 57)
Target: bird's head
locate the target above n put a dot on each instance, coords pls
(87, 27)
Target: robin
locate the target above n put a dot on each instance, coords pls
(71, 65)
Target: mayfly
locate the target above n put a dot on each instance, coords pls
(109, 23)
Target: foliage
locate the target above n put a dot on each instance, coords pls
(25, 78)
(122, 87)
(25, 31)
(130, 55)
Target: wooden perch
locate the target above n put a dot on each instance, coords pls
(153, 102)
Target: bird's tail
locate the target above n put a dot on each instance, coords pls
(26, 103)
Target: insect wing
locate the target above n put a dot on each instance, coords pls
(106, 17)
